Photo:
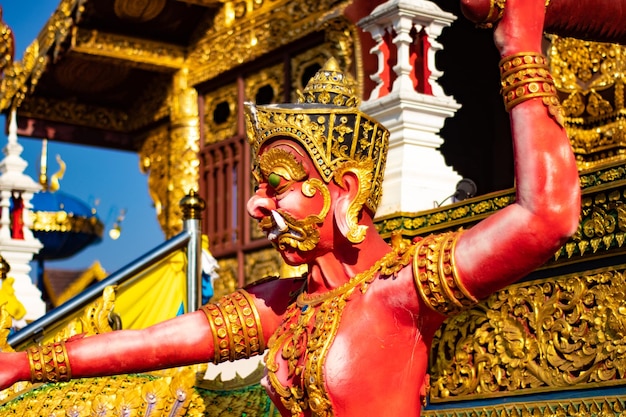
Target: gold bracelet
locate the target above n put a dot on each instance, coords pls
(511, 62)
(436, 276)
(525, 76)
(236, 327)
(527, 91)
(49, 363)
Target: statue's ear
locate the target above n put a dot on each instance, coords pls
(348, 205)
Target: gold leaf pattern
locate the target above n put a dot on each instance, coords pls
(535, 337)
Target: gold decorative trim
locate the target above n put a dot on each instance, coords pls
(139, 53)
(236, 327)
(606, 406)
(126, 394)
(49, 363)
(218, 130)
(62, 221)
(436, 276)
(153, 161)
(20, 77)
(308, 330)
(602, 228)
(525, 76)
(273, 24)
(262, 263)
(589, 77)
(272, 77)
(532, 337)
(82, 114)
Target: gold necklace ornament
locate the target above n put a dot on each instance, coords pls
(308, 331)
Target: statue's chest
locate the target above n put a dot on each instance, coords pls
(298, 353)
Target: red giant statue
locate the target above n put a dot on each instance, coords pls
(351, 338)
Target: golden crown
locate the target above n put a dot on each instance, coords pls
(328, 124)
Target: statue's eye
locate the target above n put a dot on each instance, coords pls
(273, 180)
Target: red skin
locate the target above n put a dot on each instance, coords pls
(378, 361)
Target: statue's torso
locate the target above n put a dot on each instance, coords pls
(365, 354)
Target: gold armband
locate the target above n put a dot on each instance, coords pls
(236, 327)
(49, 363)
(526, 76)
(436, 277)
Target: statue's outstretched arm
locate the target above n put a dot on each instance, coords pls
(234, 327)
(511, 243)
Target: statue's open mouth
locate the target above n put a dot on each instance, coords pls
(285, 231)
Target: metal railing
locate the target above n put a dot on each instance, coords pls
(190, 238)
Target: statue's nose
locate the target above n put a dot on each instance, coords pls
(260, 204)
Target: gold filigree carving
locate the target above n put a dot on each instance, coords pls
(602, 226)
(184, 146)
(283, 163)
(535, 337)
(452, 216)
(137, 53)
(126, 395)
(169, 156)
(605, 406)
(20, 77)
(153, 161)
(62, 221)
(95, 319)
(7, 45)
(590, 79)
(312, 58)
(154, 107)
(272, 25)
(271, 77)
(220, 117)
(82, 114)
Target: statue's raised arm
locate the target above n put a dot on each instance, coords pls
(519, 238)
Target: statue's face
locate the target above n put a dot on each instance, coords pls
(292, 203)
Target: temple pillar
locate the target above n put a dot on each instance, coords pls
(408, 100)
(172, 177)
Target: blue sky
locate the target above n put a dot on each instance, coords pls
(111, 178)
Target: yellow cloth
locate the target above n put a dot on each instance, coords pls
(155, 295)
(7, 299)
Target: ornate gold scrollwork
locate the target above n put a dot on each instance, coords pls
(252, 33)
(590, 79)
(579, 407)
(534, 337)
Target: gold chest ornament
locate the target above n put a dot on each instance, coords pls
(309, 329)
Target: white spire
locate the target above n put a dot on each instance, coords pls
(17, 243)
(410, 103)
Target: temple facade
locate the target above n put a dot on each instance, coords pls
(168, 80)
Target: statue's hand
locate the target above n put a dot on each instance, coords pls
(13, 368)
